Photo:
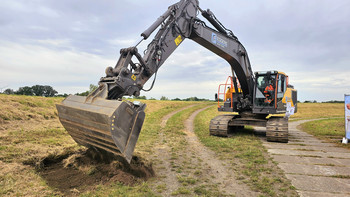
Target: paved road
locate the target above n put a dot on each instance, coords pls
(316, 168)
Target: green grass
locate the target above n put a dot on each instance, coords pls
(332, 130)
(148, 137)
(247, 156)
(118, 189)
(187, 166)
(325, 128)
(39, 135)
(152, 126)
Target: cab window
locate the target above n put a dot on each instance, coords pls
(281, 87)
(265, 90)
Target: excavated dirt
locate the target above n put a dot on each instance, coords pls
(79, 172)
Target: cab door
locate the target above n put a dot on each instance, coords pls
(281, 84)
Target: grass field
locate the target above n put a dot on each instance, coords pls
(33, 142)
(31, 133)
(247, 157)
(331, 130)
(318, 110)
(332, 126)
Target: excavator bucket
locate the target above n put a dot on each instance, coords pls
(111, 125)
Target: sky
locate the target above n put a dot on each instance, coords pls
(68, 44)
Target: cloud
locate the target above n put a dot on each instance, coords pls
(68, 44)
(22, 65)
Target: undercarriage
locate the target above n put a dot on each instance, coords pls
(225, 125)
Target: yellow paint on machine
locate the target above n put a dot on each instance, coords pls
(178, 40)
(133, 77)
(287, 97)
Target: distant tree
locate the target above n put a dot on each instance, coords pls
(307, 101)
(195, 99)
(26, 90)
(83, 93)
(163, 98)
(48, 91)
(314, 101)
(38, 90)
(43, 90)
(141, 97)
(62, 95)
(333, 101)
(176, 99)
(152, 98)
(192, 99)
(92, 87)
(9, 91)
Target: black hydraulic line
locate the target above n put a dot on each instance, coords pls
(209, 16)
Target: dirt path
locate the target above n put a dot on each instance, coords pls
(224, 177)
(168, 180)
(315, 167)
(189, 166)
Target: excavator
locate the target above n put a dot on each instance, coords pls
(106, 122)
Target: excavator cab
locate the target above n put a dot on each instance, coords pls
(273, 94)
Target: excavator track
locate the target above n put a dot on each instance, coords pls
(277, 129)
(219, 126)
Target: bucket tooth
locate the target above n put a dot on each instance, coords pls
(111, 125)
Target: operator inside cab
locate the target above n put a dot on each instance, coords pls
(269, 91)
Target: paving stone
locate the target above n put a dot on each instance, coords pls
(311, 160)
(320, 170)
(313, 144)
(310, 153)
(321, 194)
(307, 147)
(310, 163)
(320, 184)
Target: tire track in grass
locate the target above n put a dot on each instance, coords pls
(215, 168)
(167, 182)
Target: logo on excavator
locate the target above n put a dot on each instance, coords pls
(217, 40)
(133, 77)
(213, 38)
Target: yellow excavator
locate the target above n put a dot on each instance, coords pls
(105, 122)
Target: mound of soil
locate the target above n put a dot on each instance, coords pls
(82, 171)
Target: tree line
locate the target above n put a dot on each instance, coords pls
(48, 91)
(164, 98)
(44, 90)
(36, 90)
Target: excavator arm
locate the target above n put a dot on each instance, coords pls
(179, 22)
(103, 121)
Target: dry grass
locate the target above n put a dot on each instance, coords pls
(18, 107)
(30, 131)
(319, 110)
(21, 180)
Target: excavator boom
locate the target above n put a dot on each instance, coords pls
(103, 120)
